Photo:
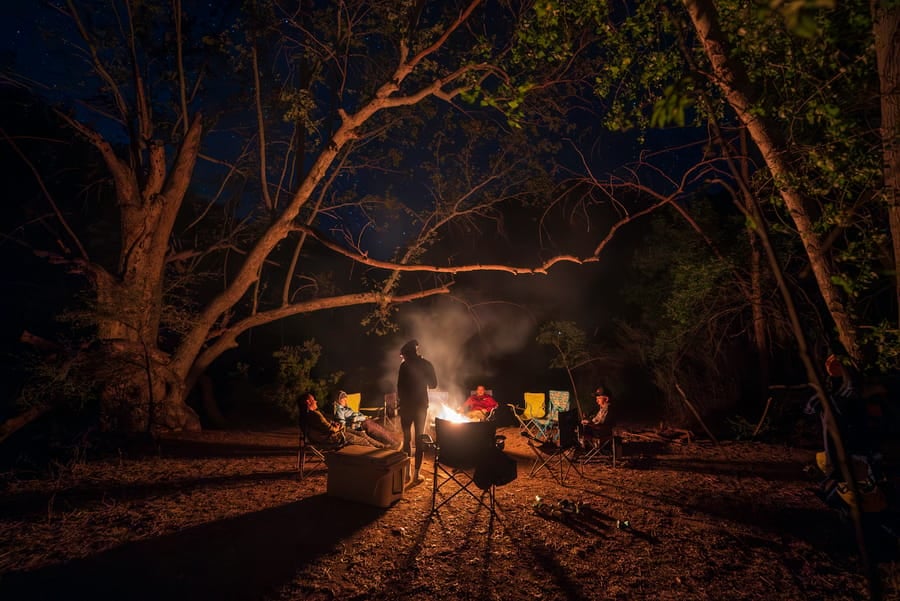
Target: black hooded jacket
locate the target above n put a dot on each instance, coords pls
(416, 376)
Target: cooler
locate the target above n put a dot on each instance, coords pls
(366, 474)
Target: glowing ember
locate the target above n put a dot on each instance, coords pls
(446, 413)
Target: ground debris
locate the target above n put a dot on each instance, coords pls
(741, 516)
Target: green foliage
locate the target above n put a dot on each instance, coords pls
(545, 42)
(882, 341)
(568, 340)
(681, 284)
(670, 109)
(800, 17)
(571, 346)
(812, 74)
(689, 306)
(295, 375)
(642, 79)
(743, 429)
(57, 379)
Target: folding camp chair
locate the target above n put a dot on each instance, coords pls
(374, 411)
(354, 401)
(556, 455)
(390, 409)
(600, 445)
(438, 397)
(546, 427)
(534, 409)
(315, 451)
(458, 450)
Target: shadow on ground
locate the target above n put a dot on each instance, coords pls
(84, 496)
(246, 557)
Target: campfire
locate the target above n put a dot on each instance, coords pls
(449, 414)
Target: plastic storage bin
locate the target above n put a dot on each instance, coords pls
(367, 475)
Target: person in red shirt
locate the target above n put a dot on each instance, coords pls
(480, 405)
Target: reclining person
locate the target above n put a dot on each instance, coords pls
(480, 405)
(355, 421)
(323, 431)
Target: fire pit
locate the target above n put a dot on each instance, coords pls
(462, 447)
(463, 444)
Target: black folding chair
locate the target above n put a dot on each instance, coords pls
(390, 410)
(554, 456)
(459, 449)
(314, 451)
(601, 445)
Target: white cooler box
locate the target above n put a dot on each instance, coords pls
(366, 474)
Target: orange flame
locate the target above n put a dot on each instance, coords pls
(451, 415)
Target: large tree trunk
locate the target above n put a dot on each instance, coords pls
(886, 28)
(730, 77)
(139, 390)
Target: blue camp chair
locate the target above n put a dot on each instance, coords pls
(547, 426)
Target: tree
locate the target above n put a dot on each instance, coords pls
(570, 345)
(303, 105)
(886, 32)
(730, 75)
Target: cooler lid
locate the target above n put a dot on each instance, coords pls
(362, 455)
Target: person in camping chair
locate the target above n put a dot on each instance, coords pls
(480, 405)
(844, 388)
(353, 420)
(599, 426)
(321, 430)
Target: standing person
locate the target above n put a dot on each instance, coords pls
(415, 377)
(480, 405)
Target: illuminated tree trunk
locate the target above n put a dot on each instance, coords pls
(138, 389)
(886, 28)
(731, 79)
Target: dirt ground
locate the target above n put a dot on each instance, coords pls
(223, 515)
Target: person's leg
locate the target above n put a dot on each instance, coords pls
(379, 433)
(361, 438)
(406, 422)
(419, 424)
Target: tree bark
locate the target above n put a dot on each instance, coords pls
(731, 78)
(886, 29)
(139, 391)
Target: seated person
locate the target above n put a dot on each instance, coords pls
(480, 405)
(353, 420)
(320, 430)
(599, 427)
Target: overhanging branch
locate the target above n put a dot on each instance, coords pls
(364, 259)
